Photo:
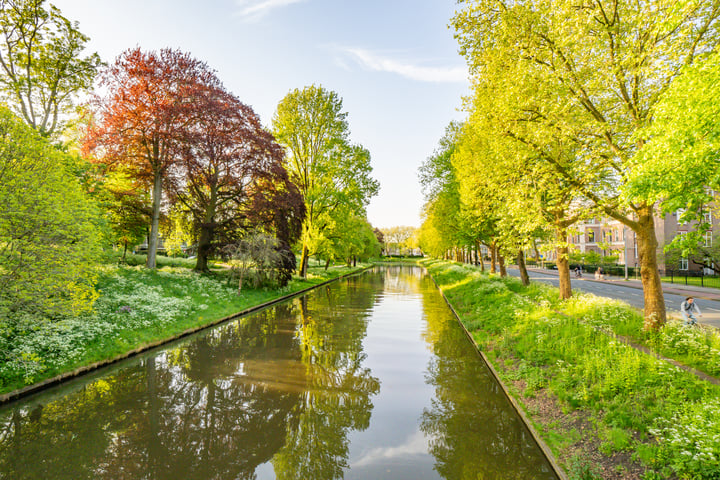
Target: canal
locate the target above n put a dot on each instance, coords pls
(370, 377)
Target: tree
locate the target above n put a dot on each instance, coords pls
(225, 155)
(329, 171)
(398, 236)
(47, 227)
(126, 210)
(448, 223)
(677, 167)
(597, 70)
(42, 66)
(148, 99)
(261, 252)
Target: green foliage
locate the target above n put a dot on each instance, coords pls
(258, 257)
(48, 235)
(582, 469)
(332, 174)
(42, 67)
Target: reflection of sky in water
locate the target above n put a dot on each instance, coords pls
(397, 355)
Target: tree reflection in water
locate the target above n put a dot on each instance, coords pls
(216, 407)
(474, 431)
(337, 400)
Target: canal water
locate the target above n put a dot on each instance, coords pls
(370, 377)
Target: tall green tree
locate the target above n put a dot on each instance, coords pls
(48, 236)
(42, 67)
(329, 171)
(597, 70)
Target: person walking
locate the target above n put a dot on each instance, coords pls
(688, 308)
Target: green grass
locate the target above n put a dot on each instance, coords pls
(136, 307)
(638, 403)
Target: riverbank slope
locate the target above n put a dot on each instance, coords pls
(607, 409)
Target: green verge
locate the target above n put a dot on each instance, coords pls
(641, 409)
(136, 307)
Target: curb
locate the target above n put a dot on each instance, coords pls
(521, 413)
(49, 382)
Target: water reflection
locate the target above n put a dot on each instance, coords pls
(311, 389)
(475, 432)
(288, 381)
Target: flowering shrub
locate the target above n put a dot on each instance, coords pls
(690, 440)
(132, 298)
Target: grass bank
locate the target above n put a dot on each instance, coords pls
(606, 409)
(136, 307)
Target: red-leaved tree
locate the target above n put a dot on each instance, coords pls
(231, 176)
(140, 119)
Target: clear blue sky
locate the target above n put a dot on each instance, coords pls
(394, 63)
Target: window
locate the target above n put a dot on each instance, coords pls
(617, 234)
(708, 239)
(683, 264)
(707, 216)
(591, 236)
(679, 213)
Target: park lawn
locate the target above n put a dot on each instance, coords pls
(634, 415)
(136, 307)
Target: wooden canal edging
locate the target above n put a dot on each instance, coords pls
(521, 413)
(85, 369)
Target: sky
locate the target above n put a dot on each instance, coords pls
(393, 62)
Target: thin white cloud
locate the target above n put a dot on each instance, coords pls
(255, 9)
(415, 444)
(379, 63)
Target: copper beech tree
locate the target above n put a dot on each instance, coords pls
(231, 176)
(140, 121)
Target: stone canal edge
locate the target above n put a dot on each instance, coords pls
(63, 377)
(521, 413)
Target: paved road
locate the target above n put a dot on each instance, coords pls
(631, 291)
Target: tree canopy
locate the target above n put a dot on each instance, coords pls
(585, 78)
(332, 174)
(48, 235)
(42, 66)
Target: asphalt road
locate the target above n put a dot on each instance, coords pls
(632, 294)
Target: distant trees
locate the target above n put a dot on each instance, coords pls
(48, 235)
(332, 174)
(399, 238)
(42, 68)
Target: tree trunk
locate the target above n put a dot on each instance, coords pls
(206, 234)
(562, 250)
(480, 258)
(304, 261)
(493, 257)
(327, 264)
(655, 315)
(524, 277)
(501, 262)
(537, 252)
(354, 261)
(124, 259)
(155, 221)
